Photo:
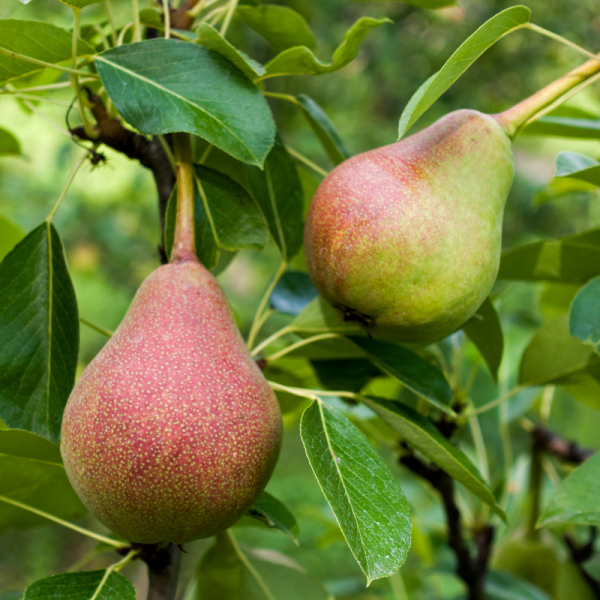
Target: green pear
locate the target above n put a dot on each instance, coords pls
(172, 431)
(406, 239)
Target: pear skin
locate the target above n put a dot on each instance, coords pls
(406, 239)
(172, 431)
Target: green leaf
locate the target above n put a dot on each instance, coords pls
(467, 53)
(38, 40)
(293, 292)
(210, 38)
(414, 372)
(554, 356)
(85, 585)
(282, 27)
(320, 317)
(485, 331)
(10, 235)
(39, 334)
(33, 474)
(349, 374)
(424, 437)
(79, 3)
(228, 571)
(574, 259)
(9, 144)
(366, 500)
(584, 319)
(565, 127)
(278, 191)
(576, 499)
(578, 166)
(319, 122)
(275, 514)
(161, 86)
(501, 585)
(226, 217)
(302, 61)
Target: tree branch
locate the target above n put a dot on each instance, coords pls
(149, 153)
(472, 570)
(565, 450)
(163, 569)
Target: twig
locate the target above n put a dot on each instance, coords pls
(565, 450)
(163, 569)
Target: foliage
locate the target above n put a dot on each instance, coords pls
(360, 407)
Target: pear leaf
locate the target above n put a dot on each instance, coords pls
(9, 144)
(160, 86)
(584, 319)
(10, 235)
(576, 499)
(366, 500)
(275, 514)
(424, 437)
(578, 166)
(485, 331)
(85, 585)
(568, 127)
(34, 39)
(467, 53)
(302, 61)
(39, 333)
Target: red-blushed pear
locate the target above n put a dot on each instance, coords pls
(172, 431)
(406, 239)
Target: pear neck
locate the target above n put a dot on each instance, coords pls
(513, 119)
(184, 243)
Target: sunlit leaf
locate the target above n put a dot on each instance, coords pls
(414, 372)
(485, 331)
(424, 437)
(85, 585)
(9, 144)
(301, 60)
(275, 514)
(10, 235)
(210, 38)
(578, 166)
(278, 191)
(366, 500)
(281, 26)
(576, 499)
(38, 40)
(468, 52)
(39, 334)
(161, 86)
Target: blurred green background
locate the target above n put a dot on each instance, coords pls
(110, 228)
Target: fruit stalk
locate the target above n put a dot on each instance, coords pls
(184, 244)
(517, 116)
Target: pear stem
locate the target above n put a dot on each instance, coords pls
(517, 116)
(184, 244)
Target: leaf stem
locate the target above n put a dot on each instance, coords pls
(270, 339)
(168, 152)
(41, 513)
(167, 18)
(40, 99)
(66, 187)
(307, 161)
(45, 65)
(98, 328)
(513, 119)
(256, 324)
(184, 244)
(116, 567)
(300, 344)
(313, 394)
(137, 26)
(228, 16)
(111, 21)
(561, 39)
(497, 402)
(38, 88)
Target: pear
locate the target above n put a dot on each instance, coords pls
(405, 239)
(172, 431)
